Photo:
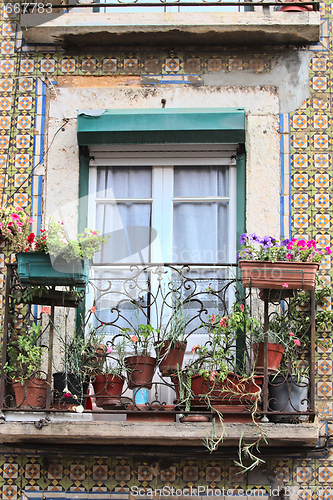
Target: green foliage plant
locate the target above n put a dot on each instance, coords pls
(25, 354)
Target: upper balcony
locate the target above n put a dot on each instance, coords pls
(164, 23)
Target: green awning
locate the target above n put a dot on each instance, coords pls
(162, 125)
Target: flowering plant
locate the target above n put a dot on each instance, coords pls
(55, 242)
(267, 248)
(215, 359)
(142, 340)
(15, 227)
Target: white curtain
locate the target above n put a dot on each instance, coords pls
(127, 223)
(200, 229)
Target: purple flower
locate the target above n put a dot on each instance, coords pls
(243, 238)
(285, 242)
(254, 238)
(266, 242)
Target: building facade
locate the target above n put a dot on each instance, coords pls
(181, 83)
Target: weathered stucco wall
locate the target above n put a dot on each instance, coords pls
(262, 108)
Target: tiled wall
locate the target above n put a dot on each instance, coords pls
(29, 473)
(306, 174)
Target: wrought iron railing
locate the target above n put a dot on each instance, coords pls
(135, 316)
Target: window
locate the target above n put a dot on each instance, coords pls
(174, 205)
(161, 205)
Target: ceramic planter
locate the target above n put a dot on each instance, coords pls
(37, 268)
(75, 387)
(278, 275)
(140, 371)
(275, 353)
(108, 389)
(171, 355)
(31, 394)
(288, 394)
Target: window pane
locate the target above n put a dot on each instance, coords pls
(201, 181)
(128, 225)
(200, 232)
(124, 182)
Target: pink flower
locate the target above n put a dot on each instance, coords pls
(14, 217)
(285, 285)
(194, 348)
(242, 307)
(94, 233)
(46, 310)
(328, 250)
(67, 394)
(223, 322)
(10, 224)
(289, 256)
(212, 318)
(291, 334)
(134, 338)
(93, 309)
(297, 342)
(213, 375)
(109, 350)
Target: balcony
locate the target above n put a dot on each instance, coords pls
(188, 23)
(218, 375)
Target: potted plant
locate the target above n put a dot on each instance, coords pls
(81, 357)
(53, 259)
(140, 366)
(170, 349)
(276, 348)
(108, 380)
(14, 227)
(23, 367)
(209, 378)
(265, 263)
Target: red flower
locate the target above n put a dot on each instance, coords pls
(31, 238)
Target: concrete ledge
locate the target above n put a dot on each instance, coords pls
(168, 434)
(228, 28)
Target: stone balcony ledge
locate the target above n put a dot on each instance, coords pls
(193, 28)
(79, 430)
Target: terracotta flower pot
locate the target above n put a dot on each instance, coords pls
(171, 356)
(233, 390)
(275, 353)
(31, 394)
(108, 389)
(140, 371)
(278, 275)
